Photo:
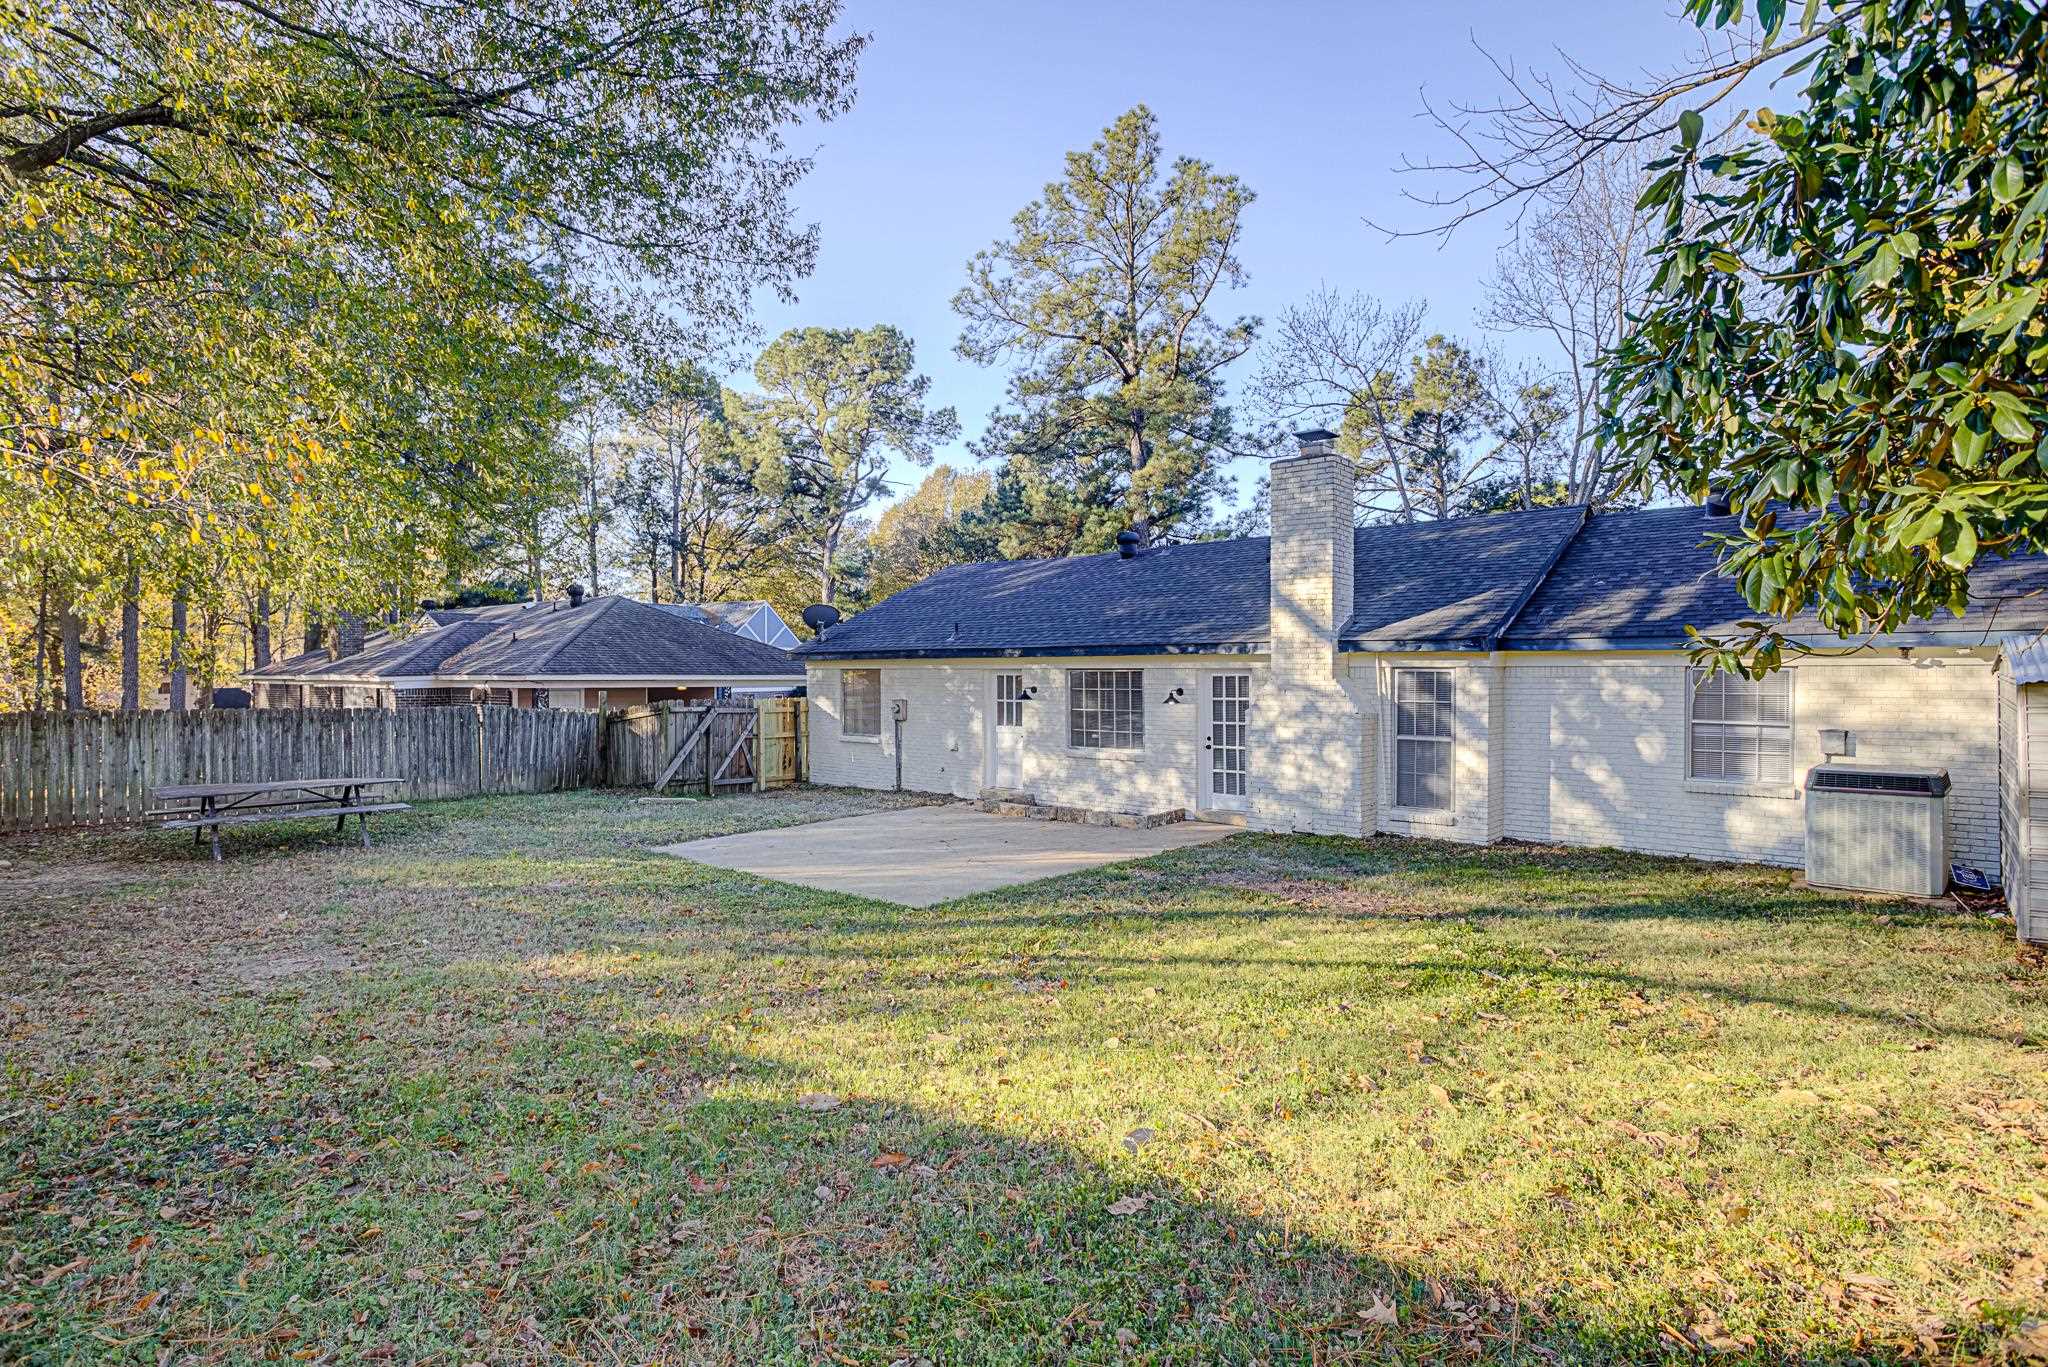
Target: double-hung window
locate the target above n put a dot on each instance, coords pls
(1106, 709)
(1425, 733)
(860, 702)
(1740, 729)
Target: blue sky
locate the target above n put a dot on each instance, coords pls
(966, 110)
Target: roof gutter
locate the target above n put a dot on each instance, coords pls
(809, 652)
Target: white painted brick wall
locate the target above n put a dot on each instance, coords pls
(945, 737)
(1476, 757)
(1311, 744)
(1597, 753)
(1584, 750)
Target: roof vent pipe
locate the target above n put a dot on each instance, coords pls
(1126, 543)
(1718, 502)
(576, 592)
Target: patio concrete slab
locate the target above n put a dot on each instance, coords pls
(919, 856)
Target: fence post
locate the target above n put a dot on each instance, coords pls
(477, 710)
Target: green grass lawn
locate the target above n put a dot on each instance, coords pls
(508, 1088)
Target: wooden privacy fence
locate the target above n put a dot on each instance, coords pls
(707, 747)
(97, 768)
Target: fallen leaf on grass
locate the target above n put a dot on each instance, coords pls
(1381, 1311)
(817, 1101)
(826, 1194)
(877, 1285)
(889, 1158)
(319, 1063)
(1129, 1205)
(2030, 1343)
(1139, 1138)
(471, 1216)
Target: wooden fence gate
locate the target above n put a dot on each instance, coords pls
(709, 748)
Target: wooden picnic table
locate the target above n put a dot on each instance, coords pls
(210, 806)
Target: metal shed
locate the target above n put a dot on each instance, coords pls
(2023, 781)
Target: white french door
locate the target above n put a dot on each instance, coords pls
(1227, 742)
(1006, 731)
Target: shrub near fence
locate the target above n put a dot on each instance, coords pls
(98, 768)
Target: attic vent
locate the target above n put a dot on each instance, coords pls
(1910, 783)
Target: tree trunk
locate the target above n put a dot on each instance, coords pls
(827, 583)
(178, 613)
(42, 639)
(259, 626)
(68, 630)
(1140, 508)
(678, 571)
(591, 502)
(209, 655)
(131, 641)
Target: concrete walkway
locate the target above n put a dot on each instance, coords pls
(923, 855)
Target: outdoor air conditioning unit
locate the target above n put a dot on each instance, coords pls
(1877, 830)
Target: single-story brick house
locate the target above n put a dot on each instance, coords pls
(1521, 675)
(560, 654)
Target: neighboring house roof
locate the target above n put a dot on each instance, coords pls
(488, 612)
(1544, 578)
(603, 637)
(383, 656)
(752, 617)
(616, 636)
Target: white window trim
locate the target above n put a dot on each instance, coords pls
(1736, 787)
(1421, 816)
(860, 737)
(1124, 753)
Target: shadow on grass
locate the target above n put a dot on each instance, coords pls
(673, 1213)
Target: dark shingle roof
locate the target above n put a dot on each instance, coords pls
(615, 636)
(1640, 578)
(1444, 582)
(1454, 583)
(496, 613)
(1210, 593)
(604, 636)
(1539, 579)
(385, 655)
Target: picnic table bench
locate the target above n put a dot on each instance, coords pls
(200, 807)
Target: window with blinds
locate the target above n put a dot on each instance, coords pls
(1741, 729)
(860, 702)
(1106, 709)
(1425, 730)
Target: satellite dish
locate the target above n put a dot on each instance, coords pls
(818, 616)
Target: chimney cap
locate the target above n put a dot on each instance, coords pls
(1316, 441)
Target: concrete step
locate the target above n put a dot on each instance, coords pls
(1080, 816)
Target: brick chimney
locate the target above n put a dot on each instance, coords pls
(1314, 499)
(348, 635)
(1313, 771)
